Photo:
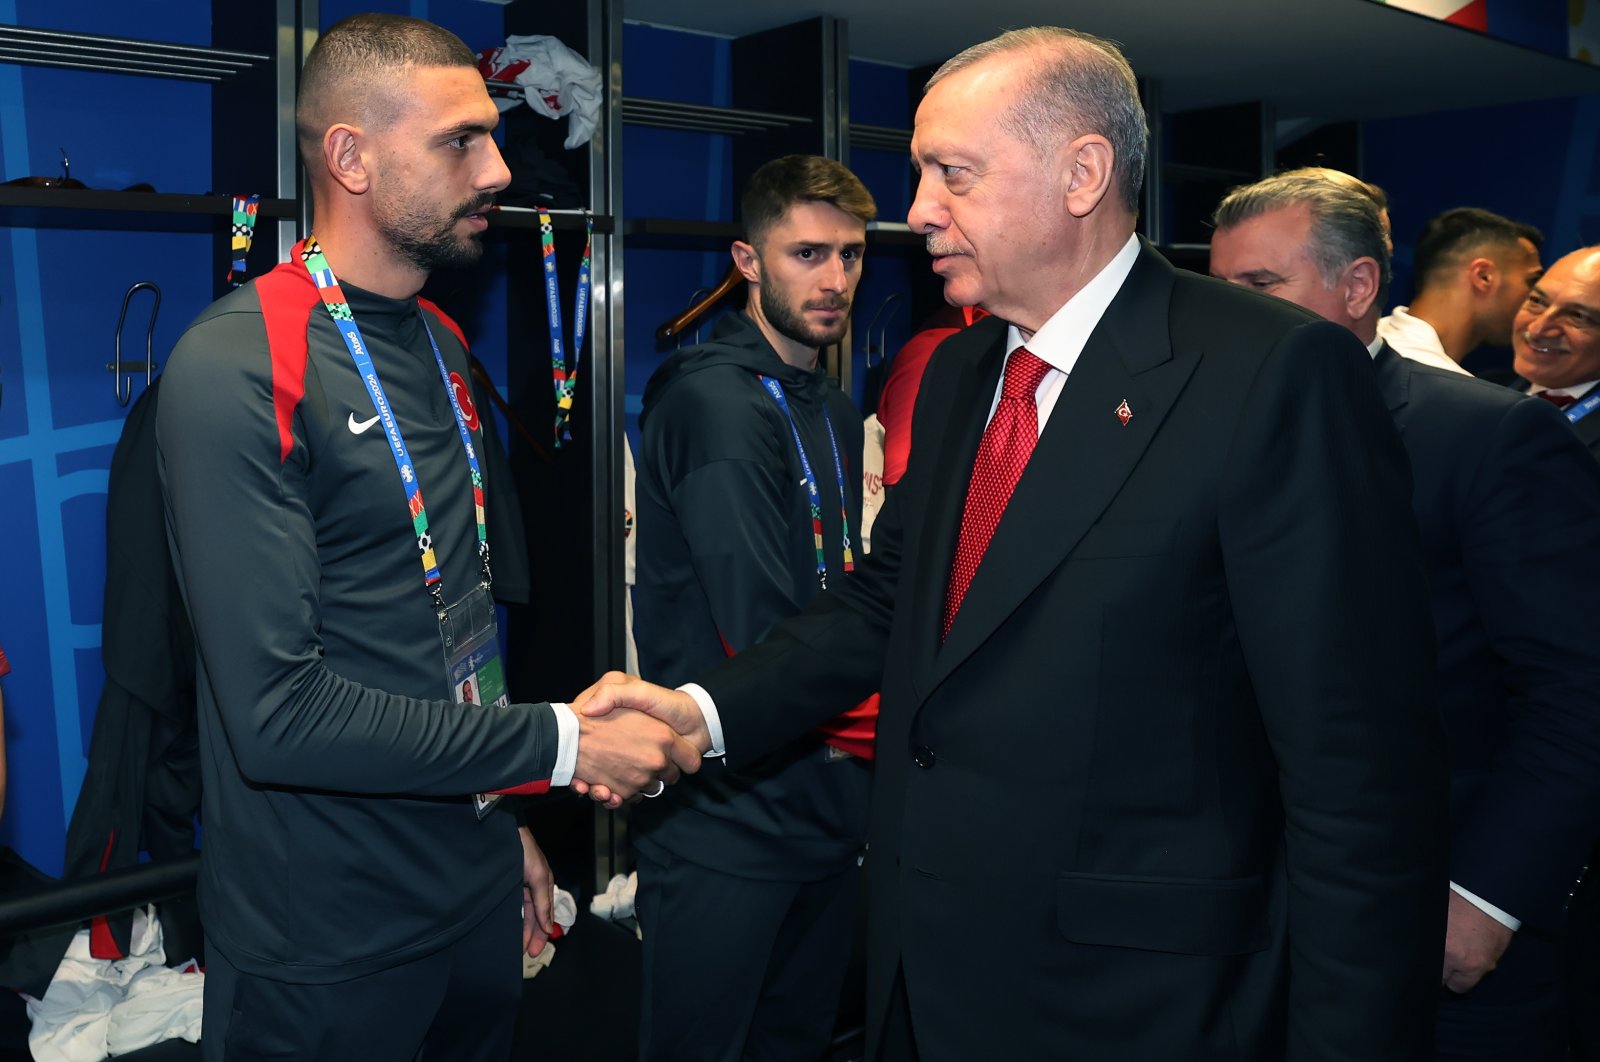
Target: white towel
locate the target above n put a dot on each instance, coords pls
(95, 1008)
(554, 80)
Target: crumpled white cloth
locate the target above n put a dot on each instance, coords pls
(96, 1008)
(564, 911)
(555, 81)
(617, 901)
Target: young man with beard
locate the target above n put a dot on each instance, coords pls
(1473, 269)
(359, 902)
(750, 505)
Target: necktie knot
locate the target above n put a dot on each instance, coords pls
(1559, 401)
(1025, 370)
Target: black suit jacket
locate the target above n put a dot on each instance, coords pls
(1508, 504)
(1587, 429)
(1173, 787)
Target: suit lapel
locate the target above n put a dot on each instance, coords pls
(952, 462)
(1083, 457)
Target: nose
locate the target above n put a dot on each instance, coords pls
(836, 276)
(927, 213)
(494, 175)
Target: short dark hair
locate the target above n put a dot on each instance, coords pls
(1345, 223)
(1080, 84)
(357, 59)
(781, 183)
(1448, 240)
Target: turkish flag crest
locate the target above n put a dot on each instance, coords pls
(469, 412)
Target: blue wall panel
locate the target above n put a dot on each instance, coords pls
(671, 173)
(1460, 147)
(60, 292)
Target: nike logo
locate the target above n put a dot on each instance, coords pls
(359, 426)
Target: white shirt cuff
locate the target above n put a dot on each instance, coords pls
(566, 744)
(708, 709)
(1488, 908)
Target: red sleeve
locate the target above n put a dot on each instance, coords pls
(5, 665)
(899, 398)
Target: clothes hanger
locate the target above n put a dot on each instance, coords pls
(481, 374)
(688, 317)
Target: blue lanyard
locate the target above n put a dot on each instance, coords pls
(338, 306)
(813, 495)
(565, 380)
(1578, 410)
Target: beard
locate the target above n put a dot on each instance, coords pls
(791, 323)
(430, 242)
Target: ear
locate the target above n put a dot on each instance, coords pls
(343, 159)
(746, 261)
(1483, 275)
(1088, 161)
(1361, 279)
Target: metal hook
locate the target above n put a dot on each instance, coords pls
(120, 368)
(696, 296)
(66, 166)
(883, 336)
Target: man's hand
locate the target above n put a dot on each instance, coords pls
(1473, 944)
(677, 709)
(538, 895)
(627, 752)
(616, 690)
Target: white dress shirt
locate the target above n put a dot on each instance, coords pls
(1576, 390)
(1412, 337)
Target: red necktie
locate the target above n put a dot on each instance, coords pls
(1559, 401)
(1007, 444)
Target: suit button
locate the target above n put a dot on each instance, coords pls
(922, 756)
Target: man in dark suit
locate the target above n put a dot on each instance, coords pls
(1508, 505)
(1555, 341)
(1159, 775)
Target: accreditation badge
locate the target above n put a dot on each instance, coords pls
(471, 639)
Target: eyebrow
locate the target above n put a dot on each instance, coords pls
(1261, 275)
(824, 245)
(462, 128)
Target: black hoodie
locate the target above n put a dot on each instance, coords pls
(726, 550)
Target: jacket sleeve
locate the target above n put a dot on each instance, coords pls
(1324, 572)
(244, 543)
(1529, 532)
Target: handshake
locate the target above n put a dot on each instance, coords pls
(635, 738)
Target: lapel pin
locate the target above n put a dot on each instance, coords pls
(1124, 414)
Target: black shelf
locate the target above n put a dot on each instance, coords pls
(680, 232)
(82, 208)
(689, 232)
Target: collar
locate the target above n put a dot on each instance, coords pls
(1061, 339)
(1412, 337)
(1576, 390)
(1375, 346)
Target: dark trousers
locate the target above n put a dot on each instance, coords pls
(737, 968)
(1517, 1013)
(458, 1004)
